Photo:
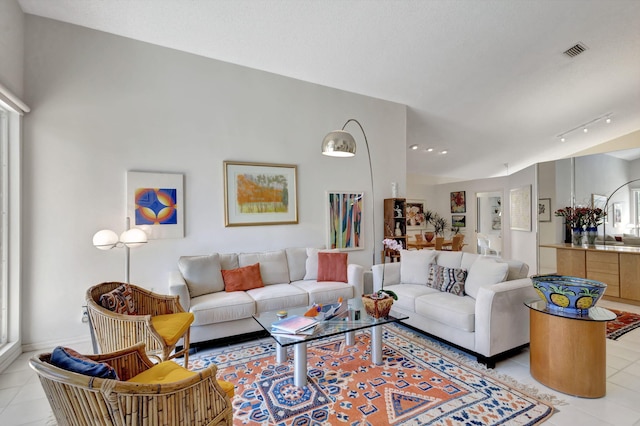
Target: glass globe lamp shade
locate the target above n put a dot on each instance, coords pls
(134, 237)
(339, 144)
(105, 239)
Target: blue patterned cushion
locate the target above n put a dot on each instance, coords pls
(70, 360)
(450, 280)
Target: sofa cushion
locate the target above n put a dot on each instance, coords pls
(278, 296)
(296, 261)
(407, 294)
(311, 264)
(325, 292)
(220, 307)
(485, 271)
(517, 269)
(201, 273)
(332, 267)
(414, 265)
(450, 280)
(229, 260)
(450, 259)
(243, 278)
(119, 300)
(449, 309)
(70, 360)
(273, 265)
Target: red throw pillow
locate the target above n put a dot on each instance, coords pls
(332, 267)
(241, 279)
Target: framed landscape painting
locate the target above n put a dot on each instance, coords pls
(259, 194)
(458, 202)
(458, 221)
(344, 214)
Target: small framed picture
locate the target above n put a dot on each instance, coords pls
(617, 213)
(458, 221)
(544, 210)
(458, 202)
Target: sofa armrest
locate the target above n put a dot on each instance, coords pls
(502, 319)
(389, 272)
(355, 277)
(178, 287)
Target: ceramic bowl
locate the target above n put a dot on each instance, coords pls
(568, 294)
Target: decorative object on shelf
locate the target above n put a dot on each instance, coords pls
(394, 189)
(339, 143)
(378, 304)
(260, 194)
(592, 233)
(345, 211)
(398, 231)
(155, 203)
(398, 211)
(429, 236)
(572, 295)
(107, 239)
(576, 236)
(458, 202)
(544, 210)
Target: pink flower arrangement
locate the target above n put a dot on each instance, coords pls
(392, 244)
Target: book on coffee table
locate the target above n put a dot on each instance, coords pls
(294, 324)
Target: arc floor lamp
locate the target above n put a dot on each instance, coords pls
(340, 143)
(107, 239)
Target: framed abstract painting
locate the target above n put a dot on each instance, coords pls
(155, 203)
(458, 202)
(344, 215)
(260, 194)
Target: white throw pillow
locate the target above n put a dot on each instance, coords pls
(311, 264)
(485, 271)
(414, 265)
(202, 274)
(273, 265)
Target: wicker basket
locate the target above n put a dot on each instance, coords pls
(377, 308)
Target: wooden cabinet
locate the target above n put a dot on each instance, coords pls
(629, 276)
(603, 266)
(395, 220)
(571, 262)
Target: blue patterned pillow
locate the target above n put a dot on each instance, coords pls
(450, 280)
(70, 360)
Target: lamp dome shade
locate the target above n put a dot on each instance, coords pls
(105, 239)
(134, 237)
(339, 144)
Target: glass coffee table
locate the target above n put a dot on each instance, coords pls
(355, 319)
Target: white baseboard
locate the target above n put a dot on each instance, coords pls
(9, 353)
(80, 344)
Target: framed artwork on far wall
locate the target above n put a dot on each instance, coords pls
(260, 194)
(344, 216)
(616, 213)
(458, 221)
(155, 203)
(415, 214)
(458, 202)
(544, 210)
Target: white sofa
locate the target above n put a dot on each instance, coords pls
(489, 319)
(289, 278)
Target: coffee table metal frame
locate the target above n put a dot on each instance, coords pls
(326, 328)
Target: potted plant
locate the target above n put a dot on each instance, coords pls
(439, 225)
(378, 304)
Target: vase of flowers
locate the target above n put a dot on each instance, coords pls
(576, 236)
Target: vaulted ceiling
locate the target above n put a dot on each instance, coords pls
(486, 81)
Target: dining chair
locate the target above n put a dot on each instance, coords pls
(439, 242)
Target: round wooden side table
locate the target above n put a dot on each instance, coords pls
(567, 351)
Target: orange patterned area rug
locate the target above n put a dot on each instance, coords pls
(420, 382)
(624, 323)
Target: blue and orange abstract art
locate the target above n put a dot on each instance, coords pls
(156, 206)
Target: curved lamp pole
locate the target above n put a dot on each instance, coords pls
(339, 143)
(606, 205)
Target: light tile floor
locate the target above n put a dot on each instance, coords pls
(22, 401)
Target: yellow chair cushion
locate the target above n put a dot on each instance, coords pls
(171, 327)
(170, 372)
(164, 372)
(227, 387)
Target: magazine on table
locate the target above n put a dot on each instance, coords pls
(335, 310)
(294, 324)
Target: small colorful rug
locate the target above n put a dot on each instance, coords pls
(420, 382)
(624, 323)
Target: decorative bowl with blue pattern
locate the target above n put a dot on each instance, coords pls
(572, 295)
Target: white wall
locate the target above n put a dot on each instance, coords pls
(12, 46)
(103, 105)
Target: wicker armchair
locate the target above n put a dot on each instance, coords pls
(115, 331)
(81, 400)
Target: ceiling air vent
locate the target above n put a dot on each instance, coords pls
(574, 51)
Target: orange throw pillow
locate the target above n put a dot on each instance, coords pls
(332, 267)
(241, 279)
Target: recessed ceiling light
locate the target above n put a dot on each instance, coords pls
(443, 151)
(429, 149)
(414, 147)
(608, 120)
(585, 130)
(562, 139)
